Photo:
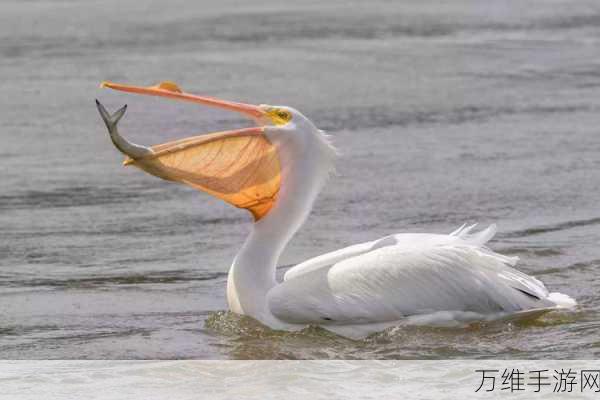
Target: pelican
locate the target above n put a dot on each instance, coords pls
(275, 169)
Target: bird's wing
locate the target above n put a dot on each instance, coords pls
(328, 259)
(410, 278)
(461, 235)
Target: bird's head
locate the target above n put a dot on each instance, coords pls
(242, 167)
(284, 116)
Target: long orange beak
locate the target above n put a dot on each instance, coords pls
(240, 167)
(171, 90)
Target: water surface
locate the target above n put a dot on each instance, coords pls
(444, 113)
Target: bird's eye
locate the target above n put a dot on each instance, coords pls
(280, 116)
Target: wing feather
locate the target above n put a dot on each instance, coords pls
(392, 282)
(410, 240)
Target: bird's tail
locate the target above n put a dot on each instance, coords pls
(562, 300)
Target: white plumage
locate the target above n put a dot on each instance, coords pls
(405, 275)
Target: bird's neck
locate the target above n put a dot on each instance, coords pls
(252, 273)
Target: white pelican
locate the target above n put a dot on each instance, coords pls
(275, 170)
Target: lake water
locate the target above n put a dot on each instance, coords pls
(444, 112)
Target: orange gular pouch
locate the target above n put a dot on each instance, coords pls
(240, 167)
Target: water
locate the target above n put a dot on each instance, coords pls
(444, 113)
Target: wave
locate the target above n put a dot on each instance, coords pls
(75, 196)
(162, 277)
(551, 228)
(381, 117)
